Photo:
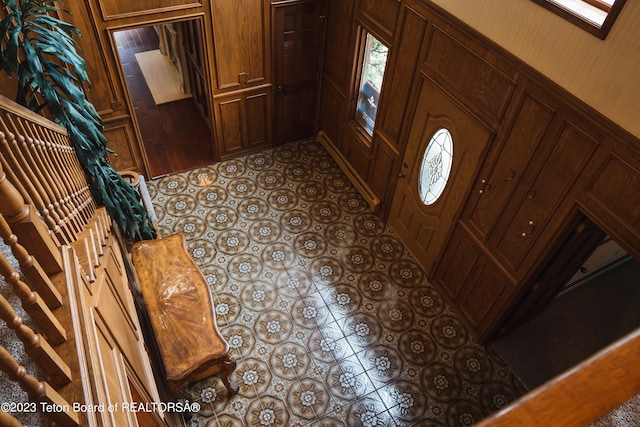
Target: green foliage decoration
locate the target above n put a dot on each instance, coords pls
(41, 51)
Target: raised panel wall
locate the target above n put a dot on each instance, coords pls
(337, 44)
(399, 80)
(240, 43)
(113, 9)
(381, 13)
(571, 150)
(469, 76)
(496, 186)
(121, 139)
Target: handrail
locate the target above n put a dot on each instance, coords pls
(45, 204)
(581, 395)
(17, 109)
(45, 169)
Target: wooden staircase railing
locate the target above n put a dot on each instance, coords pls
(46, 171)
(75, 288)
(45, 204)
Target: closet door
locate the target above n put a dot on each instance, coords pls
(240, 46)
(297, 36)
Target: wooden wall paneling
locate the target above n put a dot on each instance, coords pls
(400, 75)
(382, 14)
(611, 197)
(241, 43)
(338, 53)
(257, 44)
(243, 121)
(456, 265)
(229, 115)
(384, 170)
(227, 37)
(198, 76)
(470, 75)
(114, 308)
(538, 198)
(499, 179)
(122, 141)
(357, 153)
(332, 110)
(259, 119)
(119, 9)
(105, 92)
(476, 287)
(485, 298)
(116, 352)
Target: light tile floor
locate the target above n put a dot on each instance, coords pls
(330, 319)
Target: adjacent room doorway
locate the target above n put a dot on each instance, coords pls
(163, 66)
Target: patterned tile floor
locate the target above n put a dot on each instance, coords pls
(330, 319)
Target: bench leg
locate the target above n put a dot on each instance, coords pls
(227, 366)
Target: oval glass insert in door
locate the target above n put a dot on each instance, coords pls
(436, 166)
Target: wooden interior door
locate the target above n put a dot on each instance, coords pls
(424, 228)
(297, 36)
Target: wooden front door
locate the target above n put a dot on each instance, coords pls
(423, 228)
(297, 35)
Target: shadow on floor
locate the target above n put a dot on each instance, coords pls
(574, 326)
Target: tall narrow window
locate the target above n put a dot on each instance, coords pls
(371, 75)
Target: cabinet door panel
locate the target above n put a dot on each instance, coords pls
(230, 129)
(227, 39)
(257, 119)
(571, 151)
(243, 122)
(239, 43)
(254, 46)
(529, 126)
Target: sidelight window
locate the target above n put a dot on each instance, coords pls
(371, 75)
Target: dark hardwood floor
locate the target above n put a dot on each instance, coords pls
(175, 136)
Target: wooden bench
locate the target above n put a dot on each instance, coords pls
(181, 312)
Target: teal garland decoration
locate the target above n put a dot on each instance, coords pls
(41, 51)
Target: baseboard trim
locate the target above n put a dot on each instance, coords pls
(360, 184)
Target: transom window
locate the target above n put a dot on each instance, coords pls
(371, 76)
(595, 16)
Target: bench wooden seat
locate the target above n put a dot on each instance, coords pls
(181, 312)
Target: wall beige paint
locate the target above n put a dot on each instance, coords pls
(603, 73)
